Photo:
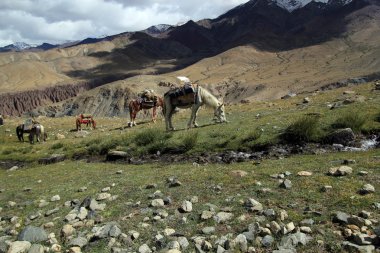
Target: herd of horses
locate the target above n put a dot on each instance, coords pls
(168, 103)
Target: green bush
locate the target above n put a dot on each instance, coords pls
(150, 136)
(57, 145)
(305, 129)
(252, 136)
(351, 119)
(189, 141)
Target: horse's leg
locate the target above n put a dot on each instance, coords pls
(31, 138)
(195, 117)
(154, 113)
(194, 111)
(133, 118)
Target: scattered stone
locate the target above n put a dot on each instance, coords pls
(173, 182)
(340, 171)
(55, 198)
(144, 249)
(267, 241)
(290, 227)
(207, 215)
(119, 172)
(19, 247)
(306, 230)
(363, 173)
(305, 173)
(208, 230)
(293, 240)
(157, 203)
(168, 231)
(241, 243)
(81, 134)
(36, 248)
(32, 234)
(222, 217)
(274, 227)
(106, 189)
(13, 168)
(239, 173)
(362, 239)
(253, 205)
(286, 184)
(53, 211)
(307, 222)
(186, 206)
(49, 225)
(75, 250)
(367, 189)
(56, 248)
(350, 247)
(79, 241)
(67, 231)
(103, 196)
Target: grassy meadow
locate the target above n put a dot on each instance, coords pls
(251, 127)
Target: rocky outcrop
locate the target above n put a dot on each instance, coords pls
(104, 101)
(16, 104)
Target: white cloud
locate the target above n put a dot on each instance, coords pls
(37, 21)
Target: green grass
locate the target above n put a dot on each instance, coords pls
(67, 177)
(351, 119)
(245, 132)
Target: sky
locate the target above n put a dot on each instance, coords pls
(58, 21)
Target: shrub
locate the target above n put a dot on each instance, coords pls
(150, 136)
(252, 136)
(189, 141)
(57, 145)
(351, 119)
(304, 129)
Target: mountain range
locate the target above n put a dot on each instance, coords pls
(260, 50)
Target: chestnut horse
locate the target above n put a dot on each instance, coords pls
(82, 119)
(136, 105)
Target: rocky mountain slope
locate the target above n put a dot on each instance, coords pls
(258, 50)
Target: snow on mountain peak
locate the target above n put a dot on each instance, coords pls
(291, 5)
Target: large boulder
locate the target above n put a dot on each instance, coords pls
(341, 136)
(32, 234)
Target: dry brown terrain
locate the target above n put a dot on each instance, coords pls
(245, 72)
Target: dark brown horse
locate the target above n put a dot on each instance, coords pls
(137, 105)
(37, 130)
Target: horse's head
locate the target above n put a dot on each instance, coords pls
(219, 113)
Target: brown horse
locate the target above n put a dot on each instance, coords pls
(136, 105)
(88, 120)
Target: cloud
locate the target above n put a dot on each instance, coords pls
(37, 21)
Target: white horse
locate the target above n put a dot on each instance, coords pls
(193, 101)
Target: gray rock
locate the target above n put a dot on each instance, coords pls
(222, 217)
(207, 215)
(144, 249)
(3, 243)
(355, 220)
(340, 171)
(114, 231)
(241, 243)
(186, 206)
(79, 241)
(55, 198)
(54, 158)
(36, 248)
(307, 222)
(340, 217)
(183, 242)
(350, 247)
(253, 205)
(267, 241)
(157, 203)
(32, 234)
(53, 211)
(367, 189)
(19, 247)
(95, 206)
(293, 240)
(103, 196)
(208, 230)
(341, 136)
(362, 239)
(286, 184)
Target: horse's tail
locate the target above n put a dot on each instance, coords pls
(93, 124)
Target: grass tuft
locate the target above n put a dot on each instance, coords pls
(305, 129)
(351, 119)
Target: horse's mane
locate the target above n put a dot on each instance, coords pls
(207, 97)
